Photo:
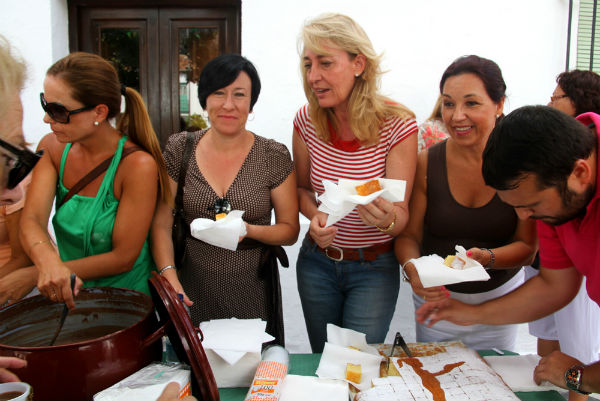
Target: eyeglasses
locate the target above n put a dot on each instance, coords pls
(221, 205)
(58, 112)
(19, 162)
(556, 97)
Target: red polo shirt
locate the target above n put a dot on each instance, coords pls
(577, 242)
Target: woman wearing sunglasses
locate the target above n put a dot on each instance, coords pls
(16, 162)
(230, 168)
(101, 225)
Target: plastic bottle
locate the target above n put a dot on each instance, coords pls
(268, 379)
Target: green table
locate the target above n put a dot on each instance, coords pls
(307, 364)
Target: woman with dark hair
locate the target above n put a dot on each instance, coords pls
(451, 205)
(574, 328)
(101, 227)
(576, 92)
(230, 168)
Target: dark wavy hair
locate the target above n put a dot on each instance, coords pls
(583, 88)
(488, 71)
(536, 140)
(222, 71)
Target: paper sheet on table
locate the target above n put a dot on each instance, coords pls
(433, 272)
(517, 371)
(339, 199)
(349, 338)
(224, 233)
(335, 358)
(302, 388)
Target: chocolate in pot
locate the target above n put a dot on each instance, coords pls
(104, 339)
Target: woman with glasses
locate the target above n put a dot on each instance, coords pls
(347, 273)
(16, 162)
(229, 168)
(102, 223)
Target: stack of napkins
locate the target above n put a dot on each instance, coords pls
(224, 233)
(233, 348)
(433, 272)
(345, 346)
(148, 383)
(339, 200)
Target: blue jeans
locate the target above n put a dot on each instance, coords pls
(358, 295)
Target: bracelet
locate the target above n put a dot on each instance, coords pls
(492, 259)
(164, 269)
(45, 241)
(388, 228)
(405, 277)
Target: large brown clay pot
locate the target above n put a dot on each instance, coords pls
(111, 334)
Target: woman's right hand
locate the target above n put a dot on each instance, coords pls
(428, 294)
(323, 236)
(171, 276)
(55, 284)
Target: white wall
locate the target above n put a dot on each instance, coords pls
(418, 38)
(38, 30)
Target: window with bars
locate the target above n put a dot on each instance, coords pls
(588, 36)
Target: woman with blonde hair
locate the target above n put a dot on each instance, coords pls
(102, 220)
(347, 273)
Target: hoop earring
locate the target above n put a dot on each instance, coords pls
(251, 115)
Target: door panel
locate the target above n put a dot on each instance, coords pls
(195, 38)
(106, 24)
(159, 50)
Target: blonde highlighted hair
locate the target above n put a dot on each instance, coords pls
(367, 108)
(93, 80)
(12, 75)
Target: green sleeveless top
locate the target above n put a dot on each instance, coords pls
(83, 227)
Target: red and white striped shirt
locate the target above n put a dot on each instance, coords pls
(366, 163)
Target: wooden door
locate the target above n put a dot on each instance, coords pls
(158, 50)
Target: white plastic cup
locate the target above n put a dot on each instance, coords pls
(21, 387)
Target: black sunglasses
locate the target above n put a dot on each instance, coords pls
(20, 162)
(58, 112)
(221, 205)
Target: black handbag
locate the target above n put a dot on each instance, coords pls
(181, 230)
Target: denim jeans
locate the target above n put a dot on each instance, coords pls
(358, 295)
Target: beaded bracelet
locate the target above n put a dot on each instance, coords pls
(492, 259)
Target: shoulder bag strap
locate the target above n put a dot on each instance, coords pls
(91, 176)
(189, 142)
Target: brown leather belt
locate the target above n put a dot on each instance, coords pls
(368, 254)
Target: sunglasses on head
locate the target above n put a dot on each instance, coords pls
(221, 205)
(58, 112)
(20, 162)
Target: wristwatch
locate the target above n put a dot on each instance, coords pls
(573, 377)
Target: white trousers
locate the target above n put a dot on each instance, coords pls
(576, 326)
(477, 336)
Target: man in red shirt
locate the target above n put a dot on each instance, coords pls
(544, 163)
